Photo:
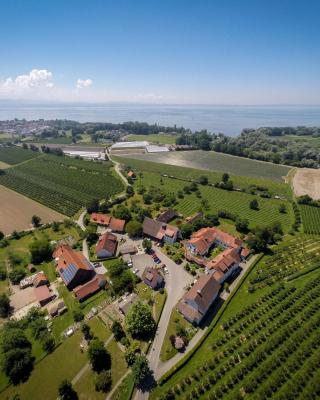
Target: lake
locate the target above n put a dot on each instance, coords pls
(226, 119)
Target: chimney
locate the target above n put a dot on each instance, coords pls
(199, 292)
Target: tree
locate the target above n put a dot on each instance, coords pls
(4, 305)
(134, 229)
(85, 329)
(103, 381)
(282, 208)
(99, 356)
(203, 180)
(131, 353)
(122, 212)
(18, 364)
(117, 330)
(242, 225)
(16, 275)
(35, 220)
(40, 250)
(78, 315)
(147, 244)
(48, 344)
(1, 235)
(55, 226)
(140, 369)
(254, 205)
(66, 391)
(93, 206)
(225, 177)
(139, 321)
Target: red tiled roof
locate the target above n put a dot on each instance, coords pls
(117, 225)
(43, 293)
(66, 255)
(108, 242)
(90, 287)
(40, 278)
(131, 174)
(224, 260)
(114, 224)
(99, 218)
(203, 291)
(245, 252)
(158, 229)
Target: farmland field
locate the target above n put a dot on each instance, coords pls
(162, 139)
(212, 161)
(243, 182)
(16, 155)
(310, 219)
(262, 345)
(62, 183)
(16, 211)
(213, 200)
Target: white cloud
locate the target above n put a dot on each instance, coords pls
(36, 78)
(83, 83)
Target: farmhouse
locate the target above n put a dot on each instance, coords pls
(196, 302)
(115, 224)
(86, 290)
(106, 246)
(152, 278)
(160, 231)
(167, 215)
(131, 175)
(44, 295)
(198, 247)
(72, 266)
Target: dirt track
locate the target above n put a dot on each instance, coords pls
(307, 181)
(16, 211)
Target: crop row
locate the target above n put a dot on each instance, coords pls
(15, 155)
(264, 355)
(61, 186)
(310, 219)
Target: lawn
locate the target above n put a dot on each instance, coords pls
(62, 183)
(125, 390)
(176, 320)
(156, 138)
(234, 342)
(219, 162)
(49, 372)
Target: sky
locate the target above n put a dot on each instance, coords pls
(248, 52)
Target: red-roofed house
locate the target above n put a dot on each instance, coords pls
(225, 263)
(131, 174)
(107, 245)
(160, 231)
(115, 224)
(72, 266)
(196, 302)
(40, 280)
(152, 278)
(44, 295)
(86, 290)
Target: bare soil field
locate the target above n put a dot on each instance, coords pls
(4, 165)
(16, 211)
(307, 181)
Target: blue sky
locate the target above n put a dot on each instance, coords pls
(213, 52)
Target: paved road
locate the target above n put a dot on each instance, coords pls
(158, 367)
(176, 281)
(80, 222)
(118, 170)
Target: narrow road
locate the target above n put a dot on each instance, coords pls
(175, 291)
(80, 222)
(118, 170)
(176, 281)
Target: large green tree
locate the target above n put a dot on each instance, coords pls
(40, 250)
(99, 356)
(139, 321)
(140, 369)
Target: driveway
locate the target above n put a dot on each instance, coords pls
(176, 280)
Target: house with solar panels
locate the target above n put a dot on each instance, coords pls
(72, 266)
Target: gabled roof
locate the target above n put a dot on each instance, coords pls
(96, 283)
(39, 279)
(167, 216)
(69, 262)
(43, 293)
(114, 224)
(152, 277)
(203, 292)
(225, 260)
(108, 242)
(158, 229)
